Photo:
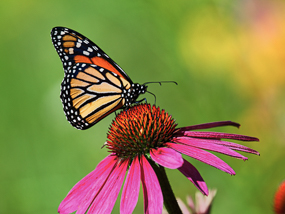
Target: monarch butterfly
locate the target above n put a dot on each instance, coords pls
(94, 85)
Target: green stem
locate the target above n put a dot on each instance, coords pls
(169, 199)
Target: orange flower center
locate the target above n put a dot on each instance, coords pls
(138, 129)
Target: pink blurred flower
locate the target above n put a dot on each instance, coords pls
(202, 206)
(203, 203)
(137, 137)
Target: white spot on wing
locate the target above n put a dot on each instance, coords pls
(86, 53)
(71, 51)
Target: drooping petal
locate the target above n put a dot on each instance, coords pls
(167, 157)
(208, 145)
(208, 125)
(89, 186)
(217, 135)
(235, 146)
(106, 198)
(194, 176)
(203, 156)
(131, 189)
(153, 199)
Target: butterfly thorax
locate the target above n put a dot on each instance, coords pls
(132, 93)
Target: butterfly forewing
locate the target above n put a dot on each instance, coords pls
(72, 47)
(94, 85)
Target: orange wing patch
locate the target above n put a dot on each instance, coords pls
(91, 107)
(74, 92)
(105, 64)
(82, 59)
(68, 44)
(113, 79)
(126, 84)
(103, 88)
(86, 77)
(78, 83)
(94, 72)
(80, 100)
(68, 38)
(104, 112)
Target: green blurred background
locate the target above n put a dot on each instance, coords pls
(227, 56)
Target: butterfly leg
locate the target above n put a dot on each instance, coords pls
(139, 101)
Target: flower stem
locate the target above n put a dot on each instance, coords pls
(169, 199)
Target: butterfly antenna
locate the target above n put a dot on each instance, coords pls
(161, 82)
(154, 97)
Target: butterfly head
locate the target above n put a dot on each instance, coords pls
(132, 93)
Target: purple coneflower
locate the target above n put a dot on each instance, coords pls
(144, 140)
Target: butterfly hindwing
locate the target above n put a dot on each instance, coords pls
(90, 93)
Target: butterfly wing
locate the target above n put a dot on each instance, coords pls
(72, 47)
(89, 93)
(94, 85)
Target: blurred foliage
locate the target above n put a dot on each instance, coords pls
(227, 56)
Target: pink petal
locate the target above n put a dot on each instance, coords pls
(131, 189)
(203, 156)
(167, 157)
(209, 125)
(208, 145)
(105, 200)
(236, 146)
(194, 176)
(88, 186)
(217, 135)
(153, 199)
